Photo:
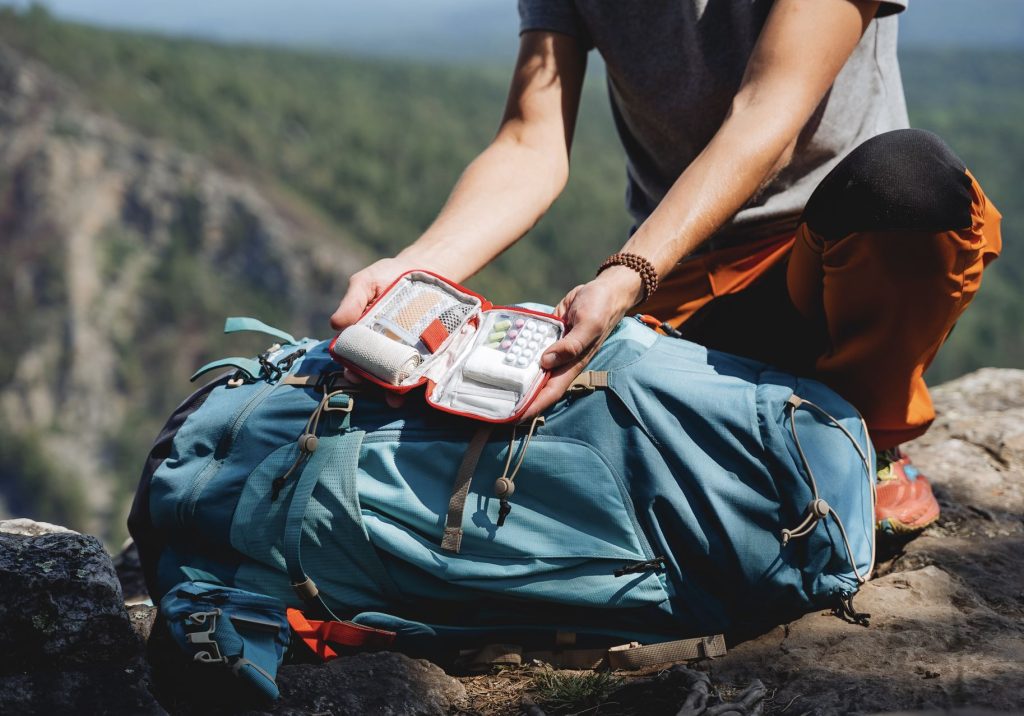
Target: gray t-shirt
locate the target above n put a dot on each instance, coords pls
(673, 68)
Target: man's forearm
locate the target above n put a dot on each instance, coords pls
(499, 197)
(503, 193)
(782, 87)
(742, 156)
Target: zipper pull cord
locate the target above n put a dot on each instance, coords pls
(505, 485)
(818, 509)
(651, 565)
(308, 442)
(844, 609)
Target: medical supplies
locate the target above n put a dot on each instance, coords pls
(476, 359)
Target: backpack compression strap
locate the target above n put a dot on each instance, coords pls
(625, 657)
(588, 381)
(452, 540)
(336, 454)
(320, 635)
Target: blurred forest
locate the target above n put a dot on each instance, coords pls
(372, 147)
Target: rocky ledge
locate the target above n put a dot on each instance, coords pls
(946, 633)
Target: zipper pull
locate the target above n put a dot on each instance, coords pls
(651, 565)
(276, 486)
(845, 610)
(503, 510)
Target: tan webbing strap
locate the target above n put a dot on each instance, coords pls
(301, 380)
(333, 381)
(588, 381)
(630, 657)
(487, 657)
(452, 539)
(570, 658)
(627, 657)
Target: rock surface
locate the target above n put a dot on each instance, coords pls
(66, 645)
(947, 625)
(386, 683)
(382, 684)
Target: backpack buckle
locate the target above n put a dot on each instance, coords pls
(213, 655)
(339, 402)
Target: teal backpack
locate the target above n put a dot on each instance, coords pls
(674, 491)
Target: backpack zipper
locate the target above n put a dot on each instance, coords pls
(222, 449)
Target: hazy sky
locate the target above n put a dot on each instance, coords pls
(460, 29)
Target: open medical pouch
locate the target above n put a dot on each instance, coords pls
(476, 359)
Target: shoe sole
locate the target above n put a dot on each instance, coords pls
(893, 526)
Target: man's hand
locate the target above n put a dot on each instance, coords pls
(364, 286)
(591, 312)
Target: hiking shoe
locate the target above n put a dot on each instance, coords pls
(904, 502)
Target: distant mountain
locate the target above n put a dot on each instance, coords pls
(120, 256)
(462, 30)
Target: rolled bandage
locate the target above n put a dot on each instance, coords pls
(488, 366)
(382, 357)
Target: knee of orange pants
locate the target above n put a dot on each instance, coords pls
(887, 299)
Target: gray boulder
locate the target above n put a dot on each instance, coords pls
(384, 683)
(66, 644)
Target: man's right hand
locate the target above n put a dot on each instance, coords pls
(364, 286)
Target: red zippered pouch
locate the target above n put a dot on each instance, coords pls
(476, 359)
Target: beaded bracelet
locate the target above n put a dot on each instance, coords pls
(648, 274)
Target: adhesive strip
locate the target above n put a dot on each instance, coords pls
(388, 360)
(417, 308)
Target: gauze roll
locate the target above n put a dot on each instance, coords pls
(389, 360)
(487, 365)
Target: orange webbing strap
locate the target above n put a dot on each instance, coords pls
(663, 326)
(649, 320)
(318, 635)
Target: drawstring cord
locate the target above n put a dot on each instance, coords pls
(505, 485)
(818, 509)
(308, 442)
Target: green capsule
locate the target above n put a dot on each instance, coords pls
(502, 325)
(496, 336)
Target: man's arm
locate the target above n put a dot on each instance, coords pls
(802, 47)
(508, 187)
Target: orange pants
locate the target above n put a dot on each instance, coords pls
(864, 312)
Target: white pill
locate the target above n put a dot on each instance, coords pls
(523, 362)
(531, 324)
(509, 358)
(526, 335)
(532, 345)
(516, 350)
